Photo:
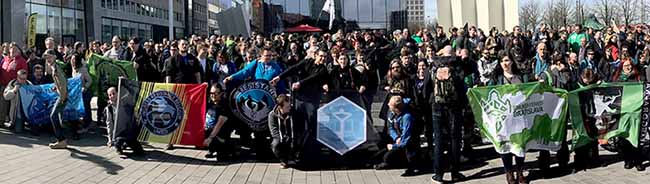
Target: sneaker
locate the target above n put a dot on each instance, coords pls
(410, 172)
(284, 165)
(437, 178)
(210, 155)
(170, 147)
(640, 167)
(382, 166)
(59, 145)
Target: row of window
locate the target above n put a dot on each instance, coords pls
(140, 9)
(415, 7)
(415, 2)
(74, 4)
(66, 25)
(416, 13)
(125, 29)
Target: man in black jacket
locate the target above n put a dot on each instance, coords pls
(307, 92)
(183, 67)
(142, 62)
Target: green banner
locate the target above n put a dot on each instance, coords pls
(517, 118)
(105, 73)
(610, 109)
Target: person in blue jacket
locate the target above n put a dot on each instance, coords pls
(404, 145)
(263, 69)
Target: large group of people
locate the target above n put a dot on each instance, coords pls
(424, 76)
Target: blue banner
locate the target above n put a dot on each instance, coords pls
(38, 101)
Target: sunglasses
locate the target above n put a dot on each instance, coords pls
(394, 67)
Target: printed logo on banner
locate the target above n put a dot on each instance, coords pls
(497, 108)
(602, 107)
(252, 103)
(161, 112)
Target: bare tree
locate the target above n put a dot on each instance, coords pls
(605, 10)
(558, 13)
(580, 12)
(530, 15)
(628, 11)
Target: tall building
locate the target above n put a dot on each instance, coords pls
(502, 14)
(196, 17)
(215, 7)
(415, 9)
(64, 20)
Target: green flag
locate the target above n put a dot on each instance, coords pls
(613, 108)
(105, 73)
(517, 118)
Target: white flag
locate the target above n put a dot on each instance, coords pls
(329, 8)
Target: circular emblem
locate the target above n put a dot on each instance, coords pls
(161, 112)
(252, 102)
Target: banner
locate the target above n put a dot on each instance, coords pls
(517, 118)
(252, 102)
(614, 109)
(161, 112)
(105, 73)
(38, 101)
(341, 125)
(31, 30)
(644, 137)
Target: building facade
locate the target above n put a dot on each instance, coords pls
(270, 16)
(136, 18)
(502, 14)
(196, 17)
(214, 8)
(415, 9)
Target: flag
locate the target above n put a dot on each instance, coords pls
(614, 109)
(38, 101)
(329, 8)
(644, 138)
(161, 112)
(31, 30)
(517, 118)
(105, 73)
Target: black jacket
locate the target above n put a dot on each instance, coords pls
(345, 79)
(281, 127)
(182, 71)
(311, 77)
(147, 69)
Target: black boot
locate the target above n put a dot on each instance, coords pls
(510, 178)
(520, 177)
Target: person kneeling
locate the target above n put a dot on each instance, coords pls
(399, 127)
(122, 139)
(281, 127)
(216, 134)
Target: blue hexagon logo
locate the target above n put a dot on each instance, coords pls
(341, 125)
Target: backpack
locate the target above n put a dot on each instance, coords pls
(444, 90)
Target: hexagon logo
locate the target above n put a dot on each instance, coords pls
(341, 125)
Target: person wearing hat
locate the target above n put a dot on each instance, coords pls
(61, 88)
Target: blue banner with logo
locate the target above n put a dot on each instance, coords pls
(38, 101)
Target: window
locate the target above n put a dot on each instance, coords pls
(122, 5)
(41, 16)
(103, 3)
(115, 5)
(54, 22)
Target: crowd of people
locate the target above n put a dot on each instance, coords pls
(424, 75)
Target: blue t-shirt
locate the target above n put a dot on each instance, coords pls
(212, 115)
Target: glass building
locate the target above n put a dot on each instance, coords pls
(350, 14)
(64, 20)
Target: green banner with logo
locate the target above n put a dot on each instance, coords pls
(517, 118)
(105, 73)
(606, 110)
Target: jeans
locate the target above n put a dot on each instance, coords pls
(88, 116)
(447, 118)
(281, 150)
(395, 156)
(507, 162)
(57, 119)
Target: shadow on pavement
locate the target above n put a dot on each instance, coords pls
(109, 166)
